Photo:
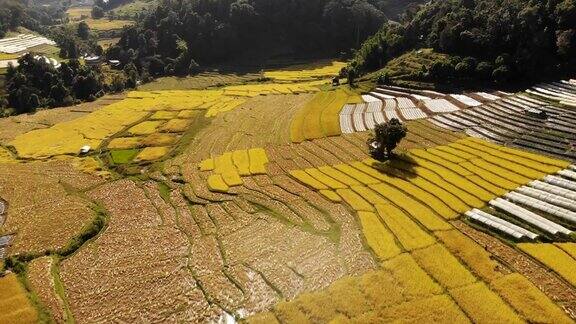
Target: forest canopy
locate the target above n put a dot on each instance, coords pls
(493, 40)
(179, 34)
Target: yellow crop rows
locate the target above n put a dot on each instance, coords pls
(420, 212)
(145, 128)
(471, 253)
(554, 258)
(443, 266)
(241, 160)
(490, 177)
(331, 195)
(370, 195)
(530, 302)
(307, 179)
(231, 166)
(354, 200)
(569, 248)
(482, 305)
(330, 182)
(216, 183)
(339, 176)
(14, 304)
(377, 236)
(297, 73)
(258, 160)
(415, 281)
(409, 234)
(152, 153)
(356, 174)
(320, 117)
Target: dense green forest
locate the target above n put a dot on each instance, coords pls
(491, 40)
(34, 15)
(180, 34)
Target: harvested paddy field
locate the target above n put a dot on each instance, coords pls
(200, 81)
(45, 209)
(260, 121)
(258, 202)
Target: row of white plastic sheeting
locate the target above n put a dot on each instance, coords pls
(381, 96)
(560, 182)
(487, 96)
(568, 174)
(465, 100)
(413, 113)
(529, 217)
(559, 191)
(548, 197)
(390, 104)
(500, 224)
(440, 106)
(22, 42)
(346, 125)
(369, 98)
(405, 103)
(531, 100)
(542, 206)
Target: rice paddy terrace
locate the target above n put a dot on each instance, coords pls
(257, 201)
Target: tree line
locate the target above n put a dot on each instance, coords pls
(29, 14)
(179, 35)
(492, 40)
(36, 83)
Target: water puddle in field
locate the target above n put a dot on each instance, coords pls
(4, 243)
(4, 240)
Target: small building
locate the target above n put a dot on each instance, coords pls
(114, 62)
(92, 60)
(85, 149)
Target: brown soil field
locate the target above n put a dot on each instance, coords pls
(42, 211)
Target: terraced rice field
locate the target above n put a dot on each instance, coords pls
(250, 202)
(321, 70)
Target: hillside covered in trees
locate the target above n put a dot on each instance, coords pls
(34, 15)
(179, 34)
(490, 40)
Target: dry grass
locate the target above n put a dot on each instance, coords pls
(42, 283)
(106, 25)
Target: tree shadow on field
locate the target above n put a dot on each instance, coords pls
(399, 165)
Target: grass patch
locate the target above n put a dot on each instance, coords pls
(123, 156)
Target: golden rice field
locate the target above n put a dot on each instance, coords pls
(303, 72)
(319, 118)
(245, 200)
(76, 13)
(14, 304)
